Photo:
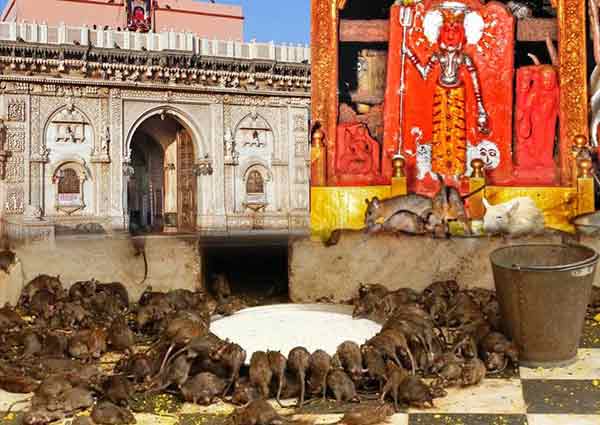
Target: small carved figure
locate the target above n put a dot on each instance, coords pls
(358, 152)
(537, 113)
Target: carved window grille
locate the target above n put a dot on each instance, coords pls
(69, 182)
(255, 183)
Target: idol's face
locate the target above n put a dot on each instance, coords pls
(452, 34)
(548, 79)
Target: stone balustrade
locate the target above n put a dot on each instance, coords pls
(152, 41)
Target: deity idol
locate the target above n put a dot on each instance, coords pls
(449, 132)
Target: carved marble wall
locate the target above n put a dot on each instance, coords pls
(53, 127)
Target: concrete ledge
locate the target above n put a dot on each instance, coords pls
(318, 271)
(173, 262)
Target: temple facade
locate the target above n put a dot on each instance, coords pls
(106, 130)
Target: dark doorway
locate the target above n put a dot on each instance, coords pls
(257, 273)
(161, 194)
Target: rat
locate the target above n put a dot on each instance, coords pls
(32, 344)
(203, 388)
(121, 337)
(55, 344)
(83, 290)
(220, 287)
(401, 222)
(415, 392)
(319, 367)
(258, 412)
(473, 372)
(260, 372)
(117, 390)
(298, 363)
(43, 303)
(375, 364)
(367, 416)
(46, 282)
(232, 356)
(381, 211)
(107, 413)
(9, 318)
(396, 375)
(495, 342)
(517, 217)
(244, 392)
(278, 367)
(342, 386)
(350, 358)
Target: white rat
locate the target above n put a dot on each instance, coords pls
(517, 217)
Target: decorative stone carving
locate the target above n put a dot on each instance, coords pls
(203, 168)
(69, 126)
(300, 123)
(231, 154)
(16, 110)
(15, 169)
(15, 140)
(101, 154)
(14, 201)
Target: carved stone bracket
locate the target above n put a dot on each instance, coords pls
(203, 168)
(128, 170)
(42, 156)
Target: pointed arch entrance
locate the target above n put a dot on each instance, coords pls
(161, 193)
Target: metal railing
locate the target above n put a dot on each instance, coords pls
(151, 41)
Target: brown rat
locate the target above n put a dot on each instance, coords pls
(107, 413)
(396, 376)
(203, 388)
(43, 303)
(342, 386)
(350, 358)
(319, 367)
(121, 337)
(415, 392)
(46, 282)
(232, 356)
(258, 412)
(32, 344)
(260, 372)
(298, 363)
(117, 390)
(375, 364)
(368, 415)
(278, 367)
(220, 287)
(495, 342)
(244, 392)
(473, 372)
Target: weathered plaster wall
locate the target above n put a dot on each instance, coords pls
(172, 263)
(318, 271)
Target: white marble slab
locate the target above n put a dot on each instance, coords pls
(492, 396)
(563, 419)
(586, 367)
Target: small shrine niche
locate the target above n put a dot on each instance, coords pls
(255, 181)
(69, 179)
(69, 127)
(139, 15)
(254, 133)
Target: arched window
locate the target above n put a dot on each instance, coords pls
(255, 183)
(68, 183)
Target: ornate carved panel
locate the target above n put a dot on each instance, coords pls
(15, 168)
(14, 200)
(16, 110)
(15, 140)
